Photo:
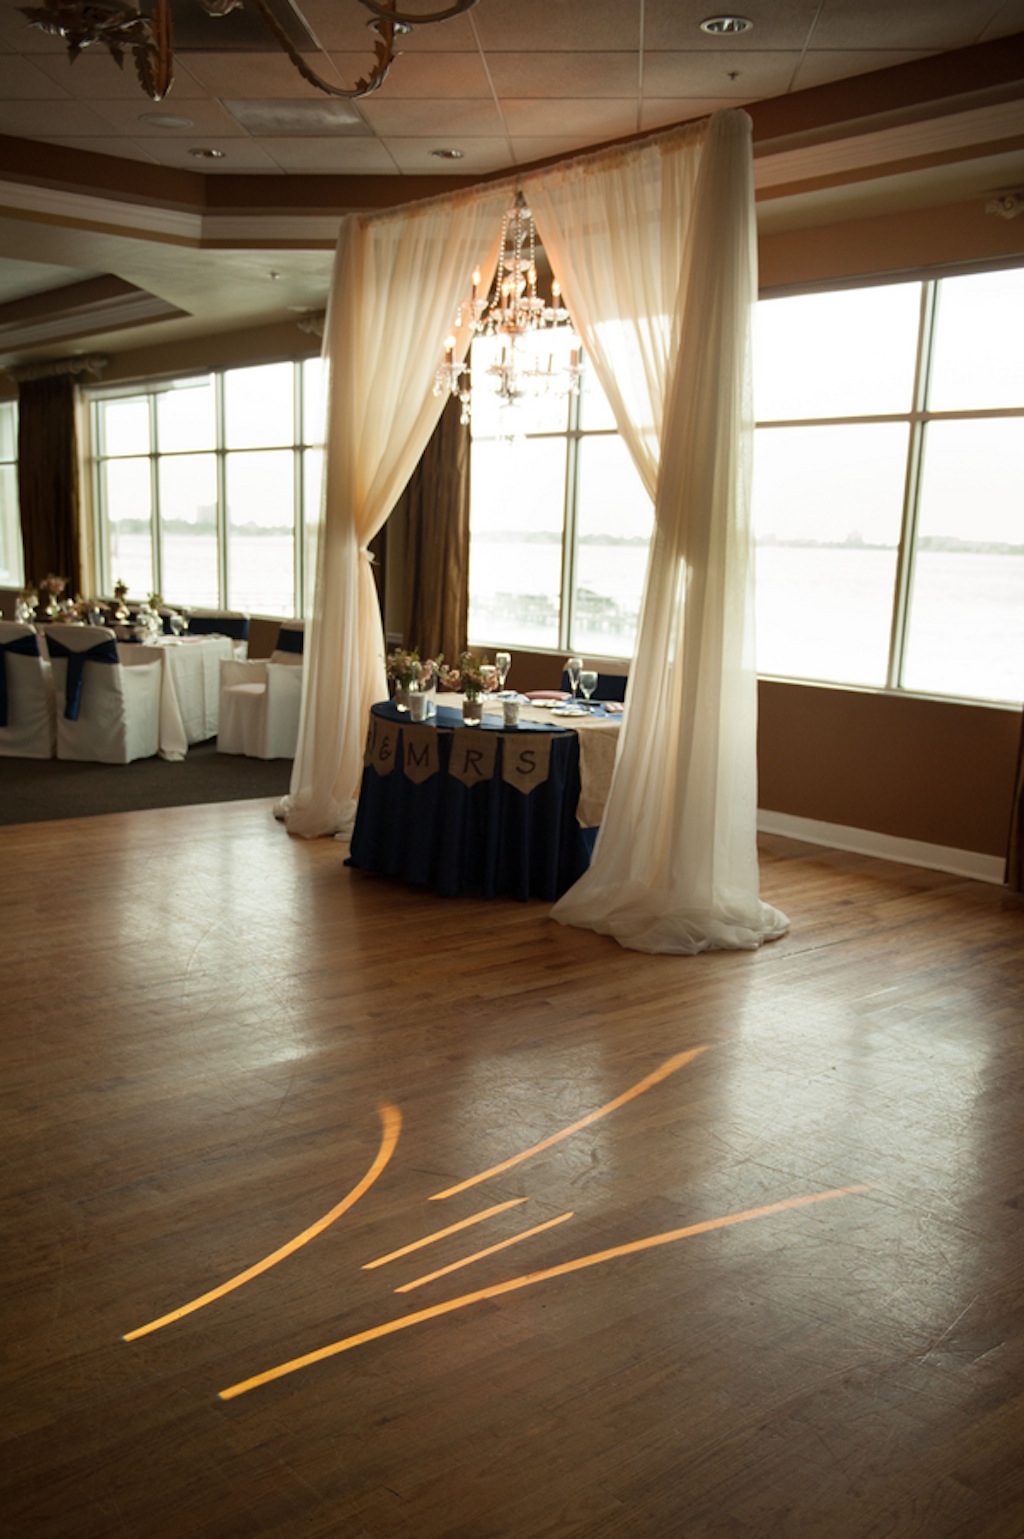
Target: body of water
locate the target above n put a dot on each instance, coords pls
(822, 612)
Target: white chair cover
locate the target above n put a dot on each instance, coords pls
(118, 711)
(27, 725)
(259, 709)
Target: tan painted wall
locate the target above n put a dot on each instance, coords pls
(938, 771)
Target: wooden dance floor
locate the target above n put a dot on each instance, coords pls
(336, 1210)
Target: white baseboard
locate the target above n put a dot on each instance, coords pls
(863, 841)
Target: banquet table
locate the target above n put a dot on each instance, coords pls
(189, 688)
(484, 809)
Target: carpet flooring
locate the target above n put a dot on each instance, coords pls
(39, 790)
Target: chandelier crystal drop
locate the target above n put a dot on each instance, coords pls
(514, 312)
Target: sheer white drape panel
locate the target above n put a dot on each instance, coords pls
(655, 252)
(398, 280)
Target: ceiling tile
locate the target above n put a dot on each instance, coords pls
(204, 118)
(736, 77)
(480, 156)
(587, 120)
(336, 157)
(443, 122)
(18, 34)
(345, 25)
(95, 77)
(434, 75)
(785, 24)
(1007, 20)
(46, 119)
(914, 24)
(20, 80)
(558, 26)
(264, 74)
(820, 66)
(564, 75)
(240, 155)
(664, 114)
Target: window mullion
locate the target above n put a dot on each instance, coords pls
(222, 485)
(912, 488)
(570, 524)
(298, 490)
(154, 499)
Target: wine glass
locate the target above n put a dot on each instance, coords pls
(572, 668)
(588, 683)
(503, 662)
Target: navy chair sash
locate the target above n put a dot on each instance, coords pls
(290, 641)
(24, 646)
(235, 626)
(102, 652)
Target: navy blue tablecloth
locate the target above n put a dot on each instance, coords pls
(489, 838)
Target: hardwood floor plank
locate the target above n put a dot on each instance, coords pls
(201, 1020)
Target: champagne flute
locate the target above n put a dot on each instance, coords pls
(588, 683)
(572, 668)
(503, 662)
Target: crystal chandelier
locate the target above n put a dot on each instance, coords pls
(513, 313)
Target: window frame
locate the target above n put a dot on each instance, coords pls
(917, 419)
(150, 392)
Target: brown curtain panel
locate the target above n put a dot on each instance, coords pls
(436, 508)
(1015, 854)
(48, 479)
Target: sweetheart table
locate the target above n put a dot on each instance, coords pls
(484, 809)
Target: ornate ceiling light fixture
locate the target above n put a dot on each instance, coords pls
(513, 312)
(147, 35)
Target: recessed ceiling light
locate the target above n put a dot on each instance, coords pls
(164, 120)
(726, 26)
(204, 154)
(448, 154)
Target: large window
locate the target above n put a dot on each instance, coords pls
(887, 506)
(204, 487)
(559, 521)
(11, 569)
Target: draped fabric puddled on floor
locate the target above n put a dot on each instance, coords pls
(654, 248)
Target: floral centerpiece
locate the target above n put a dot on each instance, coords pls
(25, 606)
(52, 588)
(474, 676)
(120, 607)
(409, 673)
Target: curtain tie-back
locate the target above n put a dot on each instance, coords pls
(102, 652)
(24, 646)
(365, 551)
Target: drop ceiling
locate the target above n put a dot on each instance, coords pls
(97, 182)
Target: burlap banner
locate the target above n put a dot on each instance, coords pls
(419, 753)
(382, 745)
(473, 755)
(526, 759)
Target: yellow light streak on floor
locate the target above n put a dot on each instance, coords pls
(668, 1067)
(480, 1254)
(391, 1120)
(512, 1284)
(441, 1234)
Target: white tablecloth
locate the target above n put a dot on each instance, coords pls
(190, 690)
